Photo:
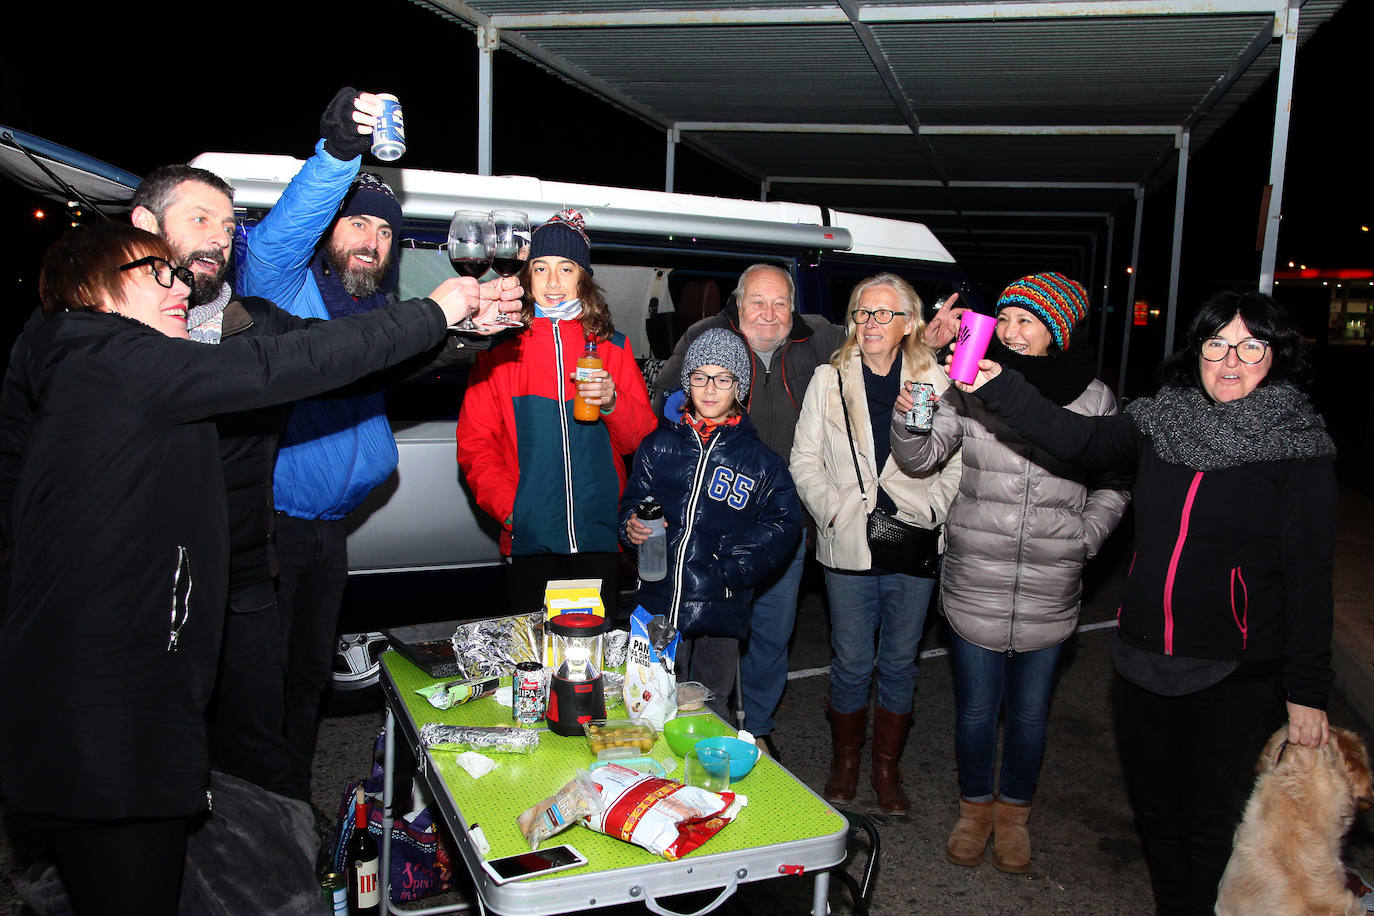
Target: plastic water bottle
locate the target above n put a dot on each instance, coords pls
(653, 553)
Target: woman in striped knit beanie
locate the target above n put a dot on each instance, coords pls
(1017, 537)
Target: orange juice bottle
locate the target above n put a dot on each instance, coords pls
(588, 413)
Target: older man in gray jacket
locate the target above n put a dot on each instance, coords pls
(785, 348)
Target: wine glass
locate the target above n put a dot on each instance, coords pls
(471, 240)
(512, 241)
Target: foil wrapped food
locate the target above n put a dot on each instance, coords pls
(486, 648)
(497, 738)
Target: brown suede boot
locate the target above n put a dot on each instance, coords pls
(1010, 839)
(846, 738)
(970, 835)
(889, 737)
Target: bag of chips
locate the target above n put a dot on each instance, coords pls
(650, 685)
(665, 817)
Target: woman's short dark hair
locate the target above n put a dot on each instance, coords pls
(1265, 319)
(81, 269)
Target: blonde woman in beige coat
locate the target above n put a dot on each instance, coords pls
(882, 353)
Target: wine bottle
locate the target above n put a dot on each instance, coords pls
(364, 865)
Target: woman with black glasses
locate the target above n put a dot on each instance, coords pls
(844, 470)
(1226, 620)
(108, 651)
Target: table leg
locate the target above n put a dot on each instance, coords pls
(388, 783)
(820, 894)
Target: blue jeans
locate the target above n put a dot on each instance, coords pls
(983, 680)
(890, 606)
(763, 668)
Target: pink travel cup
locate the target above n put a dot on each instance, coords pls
(975, 332)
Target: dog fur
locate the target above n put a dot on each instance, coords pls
(1287, 853)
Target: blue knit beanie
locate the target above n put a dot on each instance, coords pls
(371, 196)
(563, 236)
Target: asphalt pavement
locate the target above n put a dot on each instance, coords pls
(1086, 857)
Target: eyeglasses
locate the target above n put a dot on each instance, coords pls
(1249, 351)
(723, 382)
(164, 272)
(882, 316)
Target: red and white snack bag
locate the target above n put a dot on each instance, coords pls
(663, 816)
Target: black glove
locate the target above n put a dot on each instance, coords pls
(340, 131)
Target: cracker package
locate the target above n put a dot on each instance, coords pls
(665, 817)
(650, 684)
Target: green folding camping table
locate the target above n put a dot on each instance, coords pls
(784, 830)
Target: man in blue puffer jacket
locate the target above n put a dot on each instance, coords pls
(324, 251)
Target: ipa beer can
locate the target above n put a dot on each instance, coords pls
(922, 412)
(389, 136)
(529, 693)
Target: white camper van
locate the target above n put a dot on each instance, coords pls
(665, 261)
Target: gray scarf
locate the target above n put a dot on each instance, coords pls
(204, 321)
(1272, 423)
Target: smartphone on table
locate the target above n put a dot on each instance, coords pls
(531, 864)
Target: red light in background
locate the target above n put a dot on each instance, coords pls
(1141, 313)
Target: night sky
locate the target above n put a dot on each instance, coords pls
(142, 85)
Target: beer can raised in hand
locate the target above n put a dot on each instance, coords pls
(922, 412)
(389, 136)
(529, 690)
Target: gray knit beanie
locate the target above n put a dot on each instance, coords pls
(717, 347)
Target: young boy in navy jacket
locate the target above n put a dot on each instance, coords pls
(731, 511)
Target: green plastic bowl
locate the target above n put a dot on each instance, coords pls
(743, 754)
(683, 733)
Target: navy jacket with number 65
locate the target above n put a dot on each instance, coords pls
(733, 518)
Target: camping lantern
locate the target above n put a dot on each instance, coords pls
(575, 692)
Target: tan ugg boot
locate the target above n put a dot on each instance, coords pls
(846, 738)
(1011, 850)
(969, 838)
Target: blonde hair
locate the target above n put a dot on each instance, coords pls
(913, 349)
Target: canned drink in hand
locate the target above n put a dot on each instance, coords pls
(389, 136)
(922, 412)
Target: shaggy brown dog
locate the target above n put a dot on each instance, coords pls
(1287, 852)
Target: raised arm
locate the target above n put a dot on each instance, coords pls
(1108, 442)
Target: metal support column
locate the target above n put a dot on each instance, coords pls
(1106, 295)
(1091, 281)
(670, 162)
(1129, 310)
(488, 40)
(764, 187)
(1180, 191)
(1278, 157)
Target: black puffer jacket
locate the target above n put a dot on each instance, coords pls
(1232, 563)
(107, 656)
(733, 517)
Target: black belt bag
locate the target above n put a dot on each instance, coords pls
(893, 544)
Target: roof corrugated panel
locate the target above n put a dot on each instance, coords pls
(1183, 65)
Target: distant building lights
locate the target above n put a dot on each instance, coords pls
(39, 214)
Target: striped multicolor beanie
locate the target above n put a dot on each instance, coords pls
(1055, 299)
